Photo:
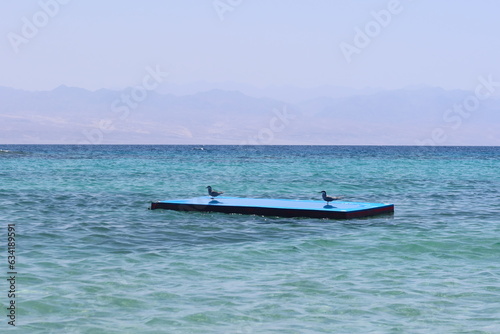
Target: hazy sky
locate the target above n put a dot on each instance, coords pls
(388, 44)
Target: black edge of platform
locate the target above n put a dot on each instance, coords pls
(279, 212)
(386, 209)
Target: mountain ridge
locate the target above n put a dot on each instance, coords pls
(408, 116)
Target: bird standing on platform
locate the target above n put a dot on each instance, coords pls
(213, 193)
(328, 199)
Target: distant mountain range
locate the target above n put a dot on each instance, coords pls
(200, 114)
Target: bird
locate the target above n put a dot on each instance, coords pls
(214, 193)
(328, 199)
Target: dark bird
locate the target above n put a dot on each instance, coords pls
(328, 199)
(214, 193)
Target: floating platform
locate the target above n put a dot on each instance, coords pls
(276, 207)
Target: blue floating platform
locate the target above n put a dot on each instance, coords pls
(276, 207)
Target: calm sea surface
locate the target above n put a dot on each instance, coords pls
(91, 257)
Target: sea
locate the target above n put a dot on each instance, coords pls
(90, 257)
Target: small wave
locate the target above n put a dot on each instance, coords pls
(2, 151)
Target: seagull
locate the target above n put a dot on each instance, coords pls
(328, 199)
(213, 193)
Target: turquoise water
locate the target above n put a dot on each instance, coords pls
(91, 257)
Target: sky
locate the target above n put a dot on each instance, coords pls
(387, 44)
